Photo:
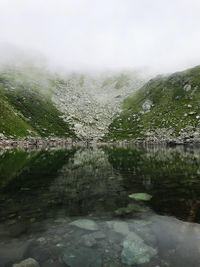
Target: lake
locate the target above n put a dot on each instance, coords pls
(96, 206)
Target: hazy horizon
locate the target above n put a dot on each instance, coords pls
(92, 35)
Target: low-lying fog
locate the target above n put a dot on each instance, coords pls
(91, 35)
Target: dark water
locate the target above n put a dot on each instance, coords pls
(72, 207)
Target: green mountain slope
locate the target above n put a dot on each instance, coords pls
(166, 104)
(26, 107)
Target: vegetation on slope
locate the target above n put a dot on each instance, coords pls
(166, 103)
(119, 81)
(26, 108)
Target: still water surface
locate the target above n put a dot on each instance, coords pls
(77, 207)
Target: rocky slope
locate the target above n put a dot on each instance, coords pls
(37, 102)
(165, 108)
(91, 102)
(26, 108)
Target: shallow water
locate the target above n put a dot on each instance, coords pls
(72, 207)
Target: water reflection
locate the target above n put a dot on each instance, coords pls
(172, 176)
(72, 207)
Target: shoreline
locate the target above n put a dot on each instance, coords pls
(39, 142)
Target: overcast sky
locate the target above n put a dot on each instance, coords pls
(162, 35)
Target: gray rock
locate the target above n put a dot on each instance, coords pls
(98, 235)
(135, 251)
(27, 263)
(88, 240)
(85, 224)
(121, 227)
(192, 113)
(147, 105)
(78, 126)
(187, 87)
(87, 257)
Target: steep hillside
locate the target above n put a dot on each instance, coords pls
(90, 102)
(35, 101)
(167, 106)
(26, 107)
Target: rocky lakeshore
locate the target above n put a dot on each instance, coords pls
(188, 135)
(38, 142)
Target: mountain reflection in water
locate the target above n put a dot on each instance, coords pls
(71, 207)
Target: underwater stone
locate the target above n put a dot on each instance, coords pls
(27, 263)
(85, 224)
(121, 227)
(135, 251)
(88, 240)
(141, 196)
(76, 257)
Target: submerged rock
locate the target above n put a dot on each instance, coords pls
(135, 251)
(87, 257)
(88, 240)
(27, 263)
(121, 227)
(98, 235)
(85, 224)
(132, 207)
(141, 196)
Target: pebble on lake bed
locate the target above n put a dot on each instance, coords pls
(85, 224)
(141, 196)
(27, 263)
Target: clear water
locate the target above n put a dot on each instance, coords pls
(72, 207)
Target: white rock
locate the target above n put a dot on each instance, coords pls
(187, 87)
(147, 105)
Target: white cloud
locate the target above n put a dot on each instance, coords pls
(105, 34)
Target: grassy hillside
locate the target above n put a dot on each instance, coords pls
(26, 107)
(164, 104)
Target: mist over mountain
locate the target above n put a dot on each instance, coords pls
(161, 36)
(82, 60)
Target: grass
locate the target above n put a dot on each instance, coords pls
(26, 109)
(120, 81)
(170, 104)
